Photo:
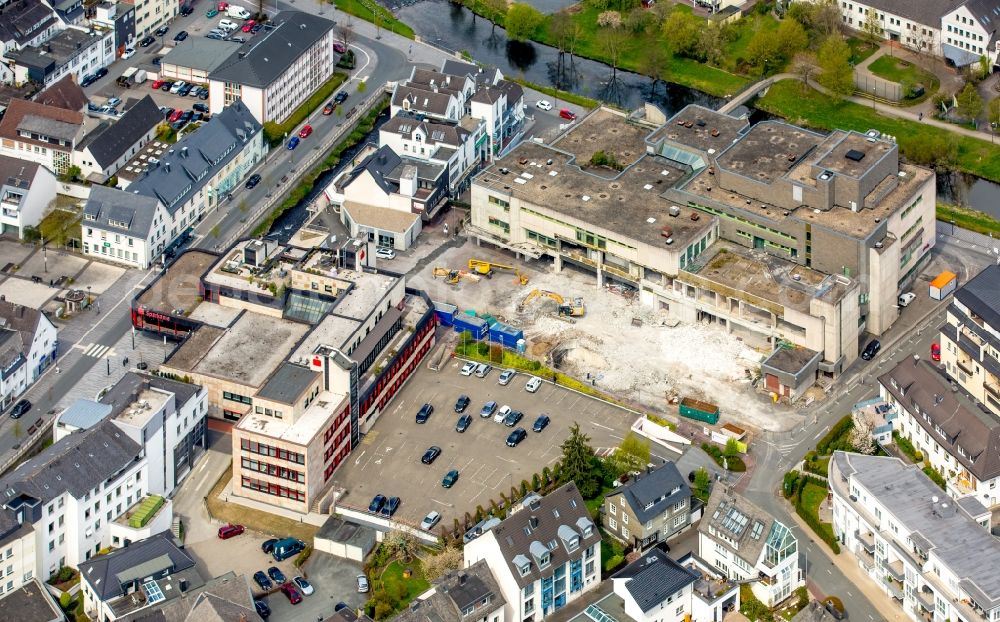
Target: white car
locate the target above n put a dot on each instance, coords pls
(906, 299)
(176, 88)
(128, 53)
(502, 414)
(543, 105)
(430, 520)
(383, 252)
(533, 384)
(468, 368)
(113, 102)
(228, 25)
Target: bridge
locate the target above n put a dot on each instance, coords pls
(755, 89)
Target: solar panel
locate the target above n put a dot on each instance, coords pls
(758, 528)
(153, 593)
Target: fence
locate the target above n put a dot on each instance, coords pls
(34, 435)
(986, 241)
(881, 89)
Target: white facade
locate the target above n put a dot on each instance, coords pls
(40, 33)
(17, 560)
(33, 358)
(20, 207)
(88, 163)
(460, 158)
(98, 52)
(964, 39)
(135, 251)
(151, 14)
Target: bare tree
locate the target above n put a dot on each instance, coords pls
(496, 9)
(862, 436)
(653, 62)
(612, 40)
(804, 65)
(346, 34)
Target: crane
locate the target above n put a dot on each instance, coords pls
(573, 307)
(485, 268)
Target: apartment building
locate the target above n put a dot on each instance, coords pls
(24, 23)
(40, 133)
(278, 69)
(544, 555)
(746, 544)
(30, 344)
(970, 338)
(107, 147)
(119, 17)
(958, 437)
(934, 556)
(467, 595)
(31, 602)
(459, 148)
(74, 51)
(26, 190)
(151, 14)
(123, 227)
(650, 507)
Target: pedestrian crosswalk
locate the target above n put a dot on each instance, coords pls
(97, 350)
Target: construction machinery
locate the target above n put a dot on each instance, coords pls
(486, 268)
(452, 277)
(573, 307)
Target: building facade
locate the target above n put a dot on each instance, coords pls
(110, 145)
(40, 133)
(151, 14)
(121, 227)
(650, 507)
(24, 24)
(467, 595)
(30, 344)
(26, 192)
(74, 51)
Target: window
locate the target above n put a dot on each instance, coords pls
(612, 509)
(624, 518)
(625, 533)
(612, 523)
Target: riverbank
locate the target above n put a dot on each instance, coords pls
(968, 218)
(366, 10)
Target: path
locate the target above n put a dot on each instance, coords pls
(951, 81)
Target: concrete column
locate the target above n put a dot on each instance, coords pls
(600, 276)
(557, 263)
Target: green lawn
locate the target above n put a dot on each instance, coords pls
(746, 29)
(363, 9)
(968, 218)
(393, 577)
(860, 49)
(808, 107)
(904, 72)
(812, 497)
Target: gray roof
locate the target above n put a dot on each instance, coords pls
(221, 599)
(962, 544)
(48, 126)
(118, 211)
(30, 603)
(814, 612)
(264, 58)
(109, 143)
(23, 319)
(57, 51)
(649, 494)
(195, 159)
(287, 383)
(537, 522)
(23, 20)
(927, 12)
(106, 574)
(421, 98)
(740, 520)
(84, 414)
(380, 164)
(436, 132)
(653, 577)
(985, 12)
(16, 172)
(126, 391)
(346, 532)
(200, 53)
(918, 387)
(10, 348)
(981, 295)
(454, 592)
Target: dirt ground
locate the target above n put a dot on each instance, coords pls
(630, 350)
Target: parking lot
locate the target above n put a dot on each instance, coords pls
(388, 460)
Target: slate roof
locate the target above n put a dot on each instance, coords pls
(109, 143)
(267, 56)
(229, 594)
(200, 53)
(737, 518)
(16, 172)
(84, 414)
(10, 347)
(21, 20)
(23, 319)
(981, 295)
(653, 577)
(287, 383)
(429, 79)
(985, 12)
(513, 90)
(106, 573)
(30, 603)
(194, 160)
(436, 132)
(64, 93)
(534, 529)
(132, 214)
(210, 608)
(380, 163)
(454, 592)
(649, 494)
(918, 387)
(422, 98)
(814, 612)
(19, 109)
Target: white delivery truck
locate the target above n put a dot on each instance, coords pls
(237, 12)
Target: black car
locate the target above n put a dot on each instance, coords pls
(20, 408)
(462, 404)
(541, 423)
(157, 61)
(276, 575)
(100, 73)
(431, 454)
(178, 125)
(184, 91)
(147, 41)
(463, 423)
(261, 579)
(203, 94)
(187, 9)
(390, 506)
(181, 36)
(339, 606)
(187, 116)
(162, 30)
(214, 35)
(425, 413)
(262, 609)
(200, 107)
(87, 80)
(340, 97)
(512, 418)
(254, 179)
(256, 28)
(268, 545)
(871, 350)
(516, 437)
(376, 505)
(166, 86)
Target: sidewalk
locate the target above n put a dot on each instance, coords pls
(950, 80)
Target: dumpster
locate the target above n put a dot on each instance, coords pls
(700, 411)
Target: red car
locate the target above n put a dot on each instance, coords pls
(567, 114)
(935, 351)
(339, 48)
(223, 6)
(329, 108)
(305, 131)
(176, 115)
(229, 531)
(156, 84)
(292, 593)
(248, 25)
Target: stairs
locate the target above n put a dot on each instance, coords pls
(175, 527)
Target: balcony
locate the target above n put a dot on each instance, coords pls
(966, 366)
(896, 591)
(926, 600)
(923, 615)
(895, 570)
(867, 560)
(867, 540)
(969, 610)
(992, 389)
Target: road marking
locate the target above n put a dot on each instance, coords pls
(97, 350)
(829, 572)
(851, 595)
(598, 425)
(821, 432)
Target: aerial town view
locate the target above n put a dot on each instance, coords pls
(499, 310)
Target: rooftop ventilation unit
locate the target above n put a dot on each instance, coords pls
(854, 155)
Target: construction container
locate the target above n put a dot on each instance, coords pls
(701, 411)
(522, 346)
(445, 313)
(478, 327)
(506, 335)
(944, 284)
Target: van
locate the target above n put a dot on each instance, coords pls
(238, 12)
(227, 25)
(283, 549)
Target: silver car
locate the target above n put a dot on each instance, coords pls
(506, 377)
(430, 520)
(483, 370)
(363, 584)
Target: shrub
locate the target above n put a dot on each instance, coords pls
(303, 556)
(936, 477)
(836, 438)
(752, 608)
(612, 563)
(64, 600)
(790, 484)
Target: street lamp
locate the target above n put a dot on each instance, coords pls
(874, 88)
(45, 256)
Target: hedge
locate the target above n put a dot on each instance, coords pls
(936, 477)
(274, 133)
(823, 447)
(734, 464)
(907, 448)
(823, 530)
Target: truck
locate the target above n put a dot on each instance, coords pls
(139, 76)
(237, 11)
(699, 410)
(943, 284)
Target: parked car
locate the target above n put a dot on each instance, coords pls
(339, 606)
(100, 73)
(256, 28)
(229, 531)
(483, 370)
(533, 384)
(263, 610)
(541, 423)
(362, 581)
(340, 97)
(223, 6)
(275, 574)
(488, 409)
(21, 407)
(215, 36)
(187, 116)
(871, 350)
(187, 9)
(185, 90)
(200, 107)
(377, 502)
(425, 413)
(128, 53)
(228, 25)
(305, 131)
(181, 36)
(293, 142)
(501, 413)
(167, 85)
(253, 180)
(175, 115)
(906, 299)
(339, 48)
(567, 114)
(462, 403)
(431, 454)
(268, 545)
(292, 593)
(390, 506)
(162, 30)
(156, 84)
(463, 423)
(87, 80)
(543, 104)
(261, 579)
(450, 478)
(506, 376)
(936, 352)
(147, 41)
(113, 102)
(430, 520)
(176, 88)
(304, 586)
(513, 418)
(248, 25)
(157, 61)
(328, 109)
(468, 368)
(384, 252)
(211, 13)
(516, 437)
(283, 549)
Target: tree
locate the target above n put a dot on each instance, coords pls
(702, 483)
(993, 113)
(632, 455)
(683, 29)
(522, 21)
(711, 44)
(609, 19)
(969, 103)
(346, 34)
(612, 40)
(72, 173)
(578, 462)
(447, 560)
(862, 433)
(561, 29)
(872, 27)
(652, 63)
(732, 448)
(930, 150)
(401, 543)
(791, 38)
(763, 50)
(495, 11)
(640, 20)
(804, 66)
(836, 73)
(984, 67)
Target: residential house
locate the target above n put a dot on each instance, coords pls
(959, 438)
(224, 598)
(119, 17)
(650, 507)
(64, 93)
(748, 545)
(277, 71)
(74, 51)
(451, 145)
(934, 556)
(111, 144)
(30, 603)
(26, 191)
(40, 133)
(30, 345)
(124, 227)
(814, 612)
(70, 12)
(151, 14)
(24, 23)
(467, 595)
(544, 555)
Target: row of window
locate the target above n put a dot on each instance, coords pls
(274, 470)
(267, 450)
(260, 410)
(236, 397)
(273, 489)
(965, 45)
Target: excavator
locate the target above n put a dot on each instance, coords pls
(485, 268)
(573, 307)
(451, 277)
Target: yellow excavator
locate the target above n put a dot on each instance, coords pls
(451, 277)
(485, 268)
(573, 307)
